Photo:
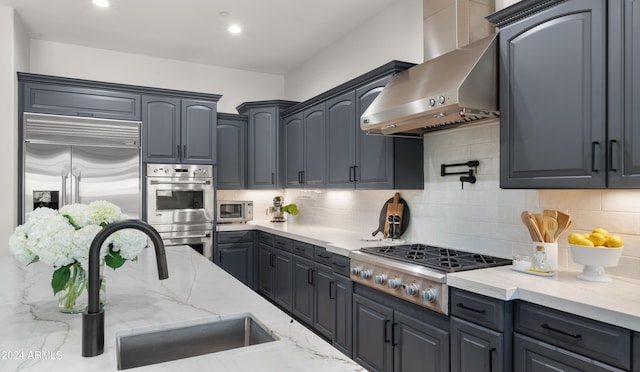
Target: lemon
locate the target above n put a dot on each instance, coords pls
(574, 238)
(586, 235)
(597, 239)
(614, 241)
(585, 242)
(602, 231)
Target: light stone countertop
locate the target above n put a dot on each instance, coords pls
(616, 302)
(35, 336)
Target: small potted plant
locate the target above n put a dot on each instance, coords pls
(292, 209)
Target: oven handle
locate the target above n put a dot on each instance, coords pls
(156, 182)
(188, 236)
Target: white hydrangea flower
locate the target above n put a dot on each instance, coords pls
(19, 246)
(104, 212)
(80, 214)
(50, 237)
(82, 242)
(129, 242)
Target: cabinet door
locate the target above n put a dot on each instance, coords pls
(343, 307)
(283, 289)
(325, 301)
(531, 355)
(374, 156)
(237, 260)
(161, 129)
(624, 113)
(231, 149)
(553, 98)
(372, 334)
(199, 131)
(475, 348)
(314, 147)
(266, 264)
(419, 346)
(303, 287)
(293, 141)
(342, 127)
(263, 145)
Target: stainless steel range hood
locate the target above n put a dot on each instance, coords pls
(455, 88)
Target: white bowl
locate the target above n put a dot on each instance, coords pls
(595, 259)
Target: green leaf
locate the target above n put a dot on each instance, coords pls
(290, 208)
(71, 221)
(114, 260)
(60, 278)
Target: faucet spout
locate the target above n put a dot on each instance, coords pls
(93, 317)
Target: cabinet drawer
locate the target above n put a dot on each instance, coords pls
(235, 236)
(81, 101)
(600, 341)
(303, 249)
(265, 238)
(321, 255)
(485, 311)
(283, 243)
(340, 264)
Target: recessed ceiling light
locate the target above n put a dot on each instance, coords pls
(101, 3)
(235, 29)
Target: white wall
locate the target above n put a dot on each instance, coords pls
(14, 44)
(394, 34)
(236, 86)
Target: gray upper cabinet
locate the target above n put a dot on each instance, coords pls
(566, 85)
(342, 130)
(232, 152)
(178, 130)
(305, 148)
(80, 101)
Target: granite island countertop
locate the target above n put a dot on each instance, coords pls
(35, 336)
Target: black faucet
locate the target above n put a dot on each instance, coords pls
(93, 317)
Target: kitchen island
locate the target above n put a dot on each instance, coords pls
(35, 336)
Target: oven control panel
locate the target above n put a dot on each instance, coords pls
(398, 283)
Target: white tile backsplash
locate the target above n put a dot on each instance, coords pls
(481, 218)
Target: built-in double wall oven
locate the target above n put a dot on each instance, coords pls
(180, 204)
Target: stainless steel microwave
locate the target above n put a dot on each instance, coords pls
(234, 211)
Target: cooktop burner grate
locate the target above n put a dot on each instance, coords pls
(441, 259)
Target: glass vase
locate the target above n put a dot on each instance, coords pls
(74, 298)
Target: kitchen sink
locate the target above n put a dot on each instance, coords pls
(141, 348)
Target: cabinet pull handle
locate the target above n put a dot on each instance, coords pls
(184, 151)
(179, 155)
(611, 162)
(323, 256)
(386, 334)
(331, 295)
(271, 256)
(302, 177)
(462, 306)
(393, 334)
(491, 352)
(355, 175)
(337, 264)
(593, 156)
(310, 276)
(548, 327)
(272, 176)
(350, 174)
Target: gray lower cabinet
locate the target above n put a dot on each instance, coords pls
(234, 252)
(548, 339)
(231, 169)
(391, 336)
(303, 289)
(275, 269)
(176, 130)
(358, 160)
(636, 352)
(80, 101)
(305, 148)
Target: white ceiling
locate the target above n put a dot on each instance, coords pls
(278, 34)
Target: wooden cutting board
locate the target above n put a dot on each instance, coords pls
(402, 208)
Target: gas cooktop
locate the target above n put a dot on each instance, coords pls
(436, 258)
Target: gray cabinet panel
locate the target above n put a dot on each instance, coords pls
(343, 314)
(266, 269)
(237, 260)
(419, 346)
(475, 348)
(325, 298)
(79, 101)
(283, 289)
(552, 101)
(372, 334)
(198, 135)
(232, 149)
(160, 129)
(263, 142)
(314, 147)
(303, 288)
(636, 352)
(341, 140)
(294, 163)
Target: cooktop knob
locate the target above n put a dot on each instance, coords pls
(356, 270)
(432, 102)
(412, 290)
(380, 279)
(441, 100)
(394, 283)
(429, 295)
(366, 274)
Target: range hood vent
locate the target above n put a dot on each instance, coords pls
(453, 89)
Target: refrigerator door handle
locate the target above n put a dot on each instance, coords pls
(64, 189)
(76, 186)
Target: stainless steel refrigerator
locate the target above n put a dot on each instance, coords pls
(68, 159)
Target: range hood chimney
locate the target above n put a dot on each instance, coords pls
(451, 89)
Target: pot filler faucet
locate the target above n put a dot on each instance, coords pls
(93, 317)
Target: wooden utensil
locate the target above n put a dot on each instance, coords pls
(534, 227)
(524, 216)
(550, 226)
(539, 221)
(550, 213)
(564, 221)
